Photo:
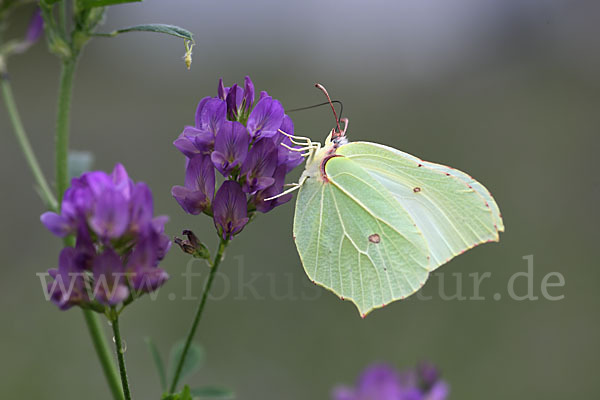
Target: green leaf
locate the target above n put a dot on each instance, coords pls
(103, 3)
(185, 393)
(201, 251)
(158, 28)
(172, 30)
(193, 360)
(79, 162)
(213, 392)
(158, 362)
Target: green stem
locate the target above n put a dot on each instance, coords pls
(103, 352)
(62, 182)
(62, 17)
(21, 135)
(120, 354)
(190, 337)
(62, 126)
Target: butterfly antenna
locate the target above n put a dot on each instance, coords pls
(319, 105)
(337, 121)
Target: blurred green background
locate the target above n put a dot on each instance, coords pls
(508, 91)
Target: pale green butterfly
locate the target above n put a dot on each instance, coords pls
(372, 222)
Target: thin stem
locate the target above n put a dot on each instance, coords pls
(103, 352)
(62, 126)
(62, 182)
(21, 135)
(190, 337)
(62, 17)
(120, 355)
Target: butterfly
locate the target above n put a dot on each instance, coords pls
(372, 222)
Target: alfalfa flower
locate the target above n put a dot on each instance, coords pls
(241, 139)
(383, 382)
(197, 194)
(119, 241)
(230, 209)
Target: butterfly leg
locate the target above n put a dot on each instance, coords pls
(294, 187)
(308, 147)
(299, 143)
(297, 139)
(305, 149)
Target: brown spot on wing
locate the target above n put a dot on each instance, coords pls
(374, 238)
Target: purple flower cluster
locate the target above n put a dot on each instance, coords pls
(240, 140)
(382, 382)
(119, 242)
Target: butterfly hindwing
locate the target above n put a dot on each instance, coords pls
(355, 239)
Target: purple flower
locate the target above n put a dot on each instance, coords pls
(230, 210)
(141, 208)
(439, 391)
(113, 220)
(382, 382)
(378, 382)
(240, 137)
(200, 139)
(259, 166)
(185, 142)
(231, 147)
(110, 286)
(121, 181)
(239, 101)
(85, 251)
(197, 194)
(35, 28)
(266, 118)
(99, 181)
(248, 95)
(263, 94)
(34, 32)
(199, 108)
(142, 265)
(291, 159)
(235, 96)
(430, 382)
(78, 203)
(277, 187)
(110, 217)
(222, 90)
(211, 114)
(68, 287)
(163, 242)
(56, 223)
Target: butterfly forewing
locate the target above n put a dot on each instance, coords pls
(448, 207)
(477, 186)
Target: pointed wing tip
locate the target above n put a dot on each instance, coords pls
(364, 312)
(500, 226)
